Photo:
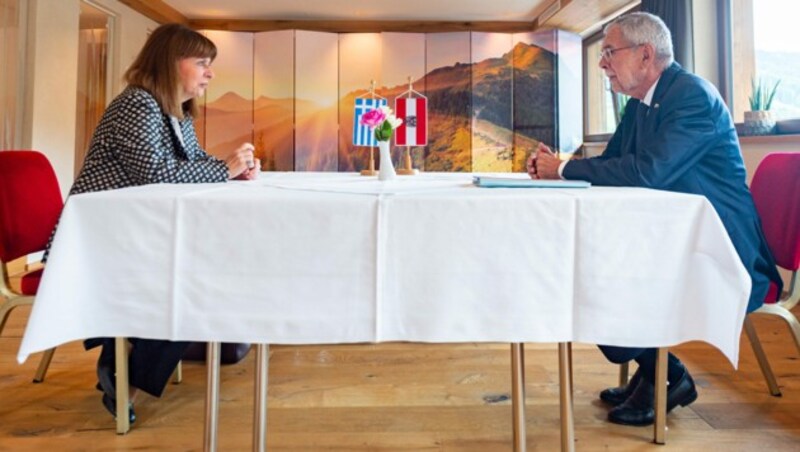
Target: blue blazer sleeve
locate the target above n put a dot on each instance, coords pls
(675, 135)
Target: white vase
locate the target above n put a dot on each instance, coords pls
(387, 167)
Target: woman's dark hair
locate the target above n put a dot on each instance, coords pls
(156, 67)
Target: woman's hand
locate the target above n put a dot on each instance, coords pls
(251, 173)
(241, 161)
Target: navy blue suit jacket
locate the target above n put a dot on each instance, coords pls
(686, 142)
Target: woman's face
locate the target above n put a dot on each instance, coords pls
(195, 74)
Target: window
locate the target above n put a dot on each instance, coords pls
(599, 108)
(764, 49)
(602, 107)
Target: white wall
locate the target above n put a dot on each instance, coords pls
(52, 68)
(52, 55)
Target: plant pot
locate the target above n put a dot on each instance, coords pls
(759, 122)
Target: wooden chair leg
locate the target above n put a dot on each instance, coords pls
(660, 424)
(44, 364)
(177, 375)
(761, 357)
(623, 374)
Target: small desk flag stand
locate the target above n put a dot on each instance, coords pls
(412, 107)
(363, 135)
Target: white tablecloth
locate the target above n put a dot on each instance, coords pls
(297, 258)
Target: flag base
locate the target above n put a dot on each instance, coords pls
(370, 171)
(407, 172)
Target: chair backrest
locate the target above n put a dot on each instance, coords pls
(30, 203)
(776, 192)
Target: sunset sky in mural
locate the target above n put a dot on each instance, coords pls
(274, 64)
(403, 56)
(233, 67)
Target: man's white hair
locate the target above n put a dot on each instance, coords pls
(645, 28)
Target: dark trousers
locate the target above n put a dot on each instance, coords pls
(646, 359)
(150, 362)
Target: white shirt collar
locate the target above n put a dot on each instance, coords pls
(648, 98)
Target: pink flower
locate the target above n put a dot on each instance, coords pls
(373, 118)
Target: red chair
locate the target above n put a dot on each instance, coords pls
(776, 192)
(30, 205)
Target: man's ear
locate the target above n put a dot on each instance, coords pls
(648, 53)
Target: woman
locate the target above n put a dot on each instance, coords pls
(147, 136)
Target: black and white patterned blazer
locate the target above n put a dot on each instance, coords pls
(135, 144)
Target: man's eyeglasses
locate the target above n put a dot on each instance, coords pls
(608, 52)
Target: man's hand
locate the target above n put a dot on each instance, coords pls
(546, 163)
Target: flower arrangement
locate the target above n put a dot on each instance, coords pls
(382, 121)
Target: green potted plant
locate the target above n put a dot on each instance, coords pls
(759, 120)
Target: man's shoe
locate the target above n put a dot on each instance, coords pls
(639, 408)
(106, 370)
(111, 405)
(616, 396)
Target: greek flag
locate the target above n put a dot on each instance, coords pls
(362, 135)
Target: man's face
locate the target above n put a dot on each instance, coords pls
(623, 64)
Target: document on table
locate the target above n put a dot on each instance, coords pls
(513, 182)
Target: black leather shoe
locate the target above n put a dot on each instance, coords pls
(111, 405)
(638, 409)
(616, 396)
(106, 375)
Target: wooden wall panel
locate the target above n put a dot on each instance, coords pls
(403, 57)
(229, 98)
(273, 107)
(534, 93)
(448, 87)
(316, 95)
(359, 65)
(492, 129)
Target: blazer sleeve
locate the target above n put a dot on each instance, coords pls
(684, 131)
(143, 147)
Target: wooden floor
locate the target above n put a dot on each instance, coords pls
(399, 397)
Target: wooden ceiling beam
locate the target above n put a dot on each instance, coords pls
(359, 26)
(156, 10)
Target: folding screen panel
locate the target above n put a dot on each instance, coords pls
(492, 131)
(403, 58)
(448, 87)
(273, 108)
(316, 95)
(359, 64)
(534, 93)
(229, 98)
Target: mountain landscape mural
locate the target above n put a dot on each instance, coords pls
(497, 109)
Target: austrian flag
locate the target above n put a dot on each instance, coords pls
(414, 113)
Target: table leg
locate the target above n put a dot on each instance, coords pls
(518, 395)
(660, 425)
(123, 398)
(260, 398)
(212, 397)
(565, 393)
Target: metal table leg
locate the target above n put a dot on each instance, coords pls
(518, 395)
(123, 398)
(565, 393)
(212, 397)
(260, 398)
(660, 425)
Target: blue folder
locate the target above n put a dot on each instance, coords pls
(512, 182)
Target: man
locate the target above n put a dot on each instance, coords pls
(676, 134)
